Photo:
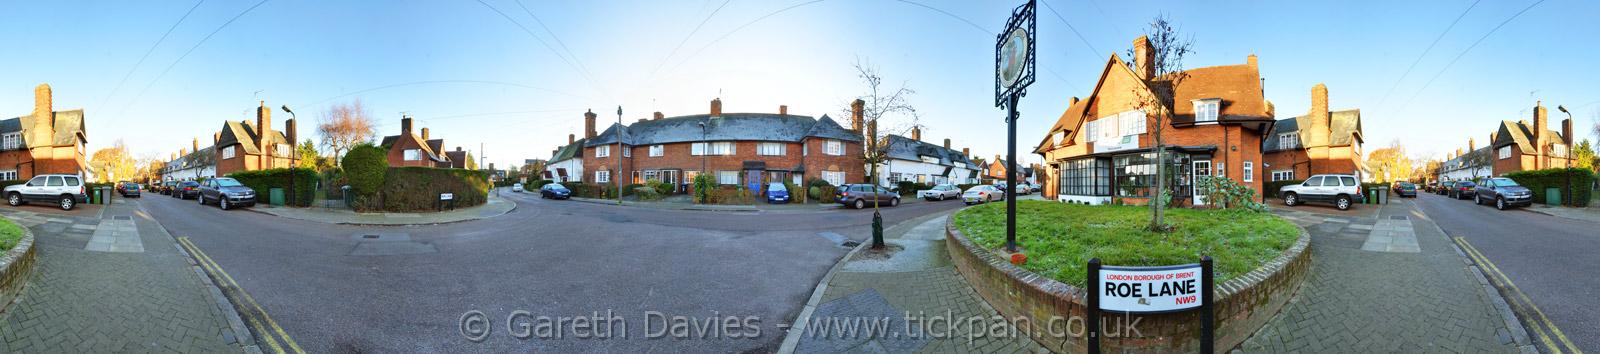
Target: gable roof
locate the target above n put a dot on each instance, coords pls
(1521, 134)
(68, 125)
(1344, 128)
(903, 148)
(728, 126)
(1463, 161)
(246, 134)
(569, 151)
(430, 147)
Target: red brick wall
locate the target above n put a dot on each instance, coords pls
(397, 153)
(676, 156)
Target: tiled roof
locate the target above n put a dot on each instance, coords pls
(1344, 127)
(903, 148)
(246, 134)
(1522, 135)
(729, 126)
(431, 147)
(69, 127)
(569, 151)
(1239, 87)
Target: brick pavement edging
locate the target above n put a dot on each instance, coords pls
(1242, 304)
(16, 267)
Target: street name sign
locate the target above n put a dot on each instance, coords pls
(1149, 289)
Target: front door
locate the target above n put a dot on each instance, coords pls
(1202, 170)
(753, 180)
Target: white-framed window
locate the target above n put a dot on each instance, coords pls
(228, 152)
(602, 151)
(627, 151)
(1091, 131)
(1205, 110)
(11, 141)
(833, 147)
(413, 154)
(895, 177)
(1133, 123)
(602, 176)
(728, 177)
(720, 148)
(651, 175)
(1282, 175)
(1505, 152)
(1249, 171)
(1055, 139)
(1288, 140)
(1558, 150)
(657, 151)
(833, 177)
(284, 150)
(770, 149)
(8, 175)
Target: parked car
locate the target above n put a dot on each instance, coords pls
(1430, 187)
(128, 189)
(1462, 189)
(863, 195)
(1405, 189)
(227, 193)
(777, 193)
(1443, 188)
(516, 187)
(1503, 192)
(1341, 190)
(554, 191)
(1024, 189)
(982, 194)
(64, 190)
(186, 190)
(940, 192)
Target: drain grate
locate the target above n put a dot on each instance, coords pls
(1399, 217)
(850, 244)
(369, 236)
(122, 217)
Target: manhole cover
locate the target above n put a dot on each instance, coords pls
(1398, 217)
(122, 217)
(850, 244)
(369, 236)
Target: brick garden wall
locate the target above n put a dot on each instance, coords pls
(16, 266)
(1243, 305)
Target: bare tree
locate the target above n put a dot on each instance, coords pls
(877, 103)
(1166, 62)
(344, 126)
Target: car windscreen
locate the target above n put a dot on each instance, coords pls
(777, 187)
(556, 187)
(228, 182)
(1504, 182)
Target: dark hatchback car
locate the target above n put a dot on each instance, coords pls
(1405, 189)
(1443, 188)
(1462, 189)
(777, 193)
(864, 195)
(186, 190)
(227, 193)
(1502, 192)
(554, 191)
(165, 188)
(128, 189)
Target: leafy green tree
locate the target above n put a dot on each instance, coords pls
(309, 158)
(1583, 153)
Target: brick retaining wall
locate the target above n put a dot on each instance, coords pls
(1243, 304)
(16, 267)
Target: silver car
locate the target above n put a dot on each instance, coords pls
(982, 194)
(940, 192)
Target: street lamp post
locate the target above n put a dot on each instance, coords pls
(704, 148)
(292, 151)
(1563, 109)
(618, 134)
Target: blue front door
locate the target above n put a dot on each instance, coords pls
(752, 179)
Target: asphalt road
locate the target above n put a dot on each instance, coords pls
(1550, 259)
(334, 290)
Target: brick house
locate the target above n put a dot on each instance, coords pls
(742, 149)
(188, 165)
(1520, 146)
(566, 162)
(1319, 142)
(43, 142)
(911, 159)
(1469, 164)
(241, 146)
(410, 149)
(1102, 148)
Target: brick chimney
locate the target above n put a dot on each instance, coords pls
(1539, 126)
(1073, 101)
(264, 128)
(405, 125)
(1144, 57)
(856, 115)
(916, 133)
(588, 124)
(424, 134)
(196, 144)
(571, 138)
(966, 152)
(1566, 131)
(216, 138)
(658, 115)
(783, 109)
(1472, 144)
(1251, 61)
(947, 143)
(1320, 127)
(716, 107)
(43, 117)
(289, 133)
(182, 152)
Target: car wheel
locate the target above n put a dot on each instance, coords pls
(67, 203)
(1291, 199)
(14, 199)
(201, 198)
(860, 203)
(894, 202)
(1344, 202)
(1500, 203)
(222, 203)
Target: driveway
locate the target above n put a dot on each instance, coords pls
(1550, 262)
(407, 288)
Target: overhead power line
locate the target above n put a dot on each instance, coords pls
(585, 74)
(1464, 52)
(1069, 27)
(554, 36)
(1425, 53)
(147, 52)
(691, 34)
(186, 54)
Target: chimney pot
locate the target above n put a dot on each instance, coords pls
(658, 115)
(716, 107)
(405, 125)
(1073, 101)
(588, 124)
(571, 138)
(1144, 57)
(916, 133)
(783, 109)
(947, 143)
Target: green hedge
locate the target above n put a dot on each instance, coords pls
(418, 188)
(906, 188)
(263, 181)
(1539, 180)
(535, 185)
(9, 183)
(1270, 189)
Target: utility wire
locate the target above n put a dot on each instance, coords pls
(946, 13)
(1425, 53)
(1464, 53)
(431, 82)
(1069, 27)
(686, 39)
(737, 29)
(147, 52)
(554, 36)
(186, 54)
(585, 74)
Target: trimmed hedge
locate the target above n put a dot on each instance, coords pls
(418, 188)
(1270, 189)
(364, 167)
(1539, 180)
(263, 181)
(906, 188)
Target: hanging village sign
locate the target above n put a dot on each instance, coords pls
(1013, 72)
(1150, 290)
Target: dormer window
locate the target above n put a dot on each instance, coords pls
(1205, 110)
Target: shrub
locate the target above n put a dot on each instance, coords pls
(732, 195)
(418, 188)
(1230, 194)
(964, 187)
(825, 194)
(661, 188)
(703, 186)
(9, 183)
(794, 192)
(646, 193)
(906, 188)
(364, 167)
(263, 181)
(1539, 180)
(536, 184)
(1270, 189)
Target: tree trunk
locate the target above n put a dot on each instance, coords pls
(1157, 207)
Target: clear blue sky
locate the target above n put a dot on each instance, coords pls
(475, 77)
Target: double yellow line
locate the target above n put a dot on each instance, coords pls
(263, 324)
(1535, 317)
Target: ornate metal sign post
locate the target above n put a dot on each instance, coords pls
(1013, 68)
